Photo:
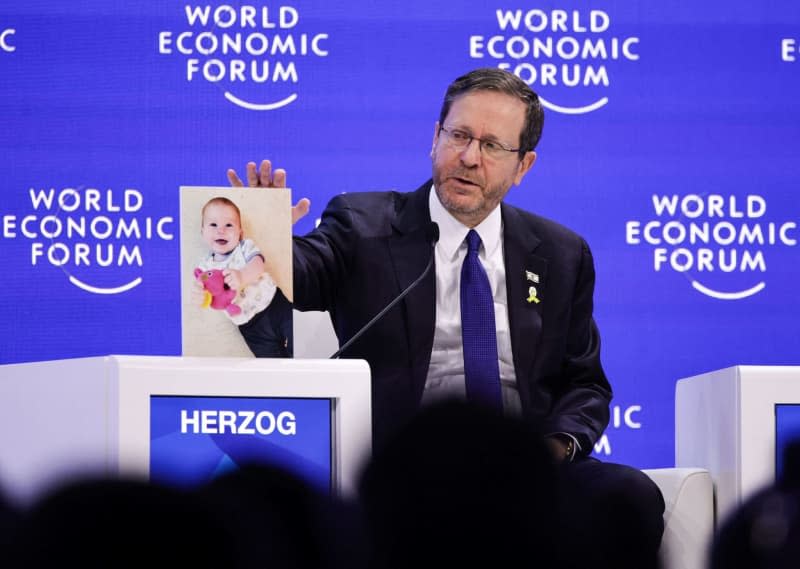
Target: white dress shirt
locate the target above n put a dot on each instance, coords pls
(446, 371)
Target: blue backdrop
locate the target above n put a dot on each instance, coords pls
(670, 144)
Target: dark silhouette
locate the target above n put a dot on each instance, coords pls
(462, 485)
(258, 516)
(764, 533)
(9, 522)
(105, 523)
(279, 521)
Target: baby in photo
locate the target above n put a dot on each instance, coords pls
(233, 277)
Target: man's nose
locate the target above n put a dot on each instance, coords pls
(471, 155)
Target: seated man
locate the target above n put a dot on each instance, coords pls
(504, 320)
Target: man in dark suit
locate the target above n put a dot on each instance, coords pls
(371, 246)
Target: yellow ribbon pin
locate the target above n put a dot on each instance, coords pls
(532, 295)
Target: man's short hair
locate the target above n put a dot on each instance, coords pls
(493, 79)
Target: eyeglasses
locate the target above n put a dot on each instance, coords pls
(460, 140)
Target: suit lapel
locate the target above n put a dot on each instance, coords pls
(410, 251)
(526, 277)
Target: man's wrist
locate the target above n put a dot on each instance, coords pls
(563, 446)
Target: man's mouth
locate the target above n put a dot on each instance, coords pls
(221, 241)
(464, 181)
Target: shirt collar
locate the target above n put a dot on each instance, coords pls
(452, 232)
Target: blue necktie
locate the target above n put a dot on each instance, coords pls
(478, 334)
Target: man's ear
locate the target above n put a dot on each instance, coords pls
(435, 137)
(524, 165)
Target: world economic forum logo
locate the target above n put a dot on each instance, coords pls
(720, 242)
(94, 236)
(790, 50)
(7, 40)
(567, 56)
(251, 52)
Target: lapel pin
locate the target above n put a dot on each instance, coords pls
(531, 276)
(532, 295)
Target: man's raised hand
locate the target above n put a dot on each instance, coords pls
(264, 177)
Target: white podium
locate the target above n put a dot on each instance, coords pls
(92, 416)
(725, 423)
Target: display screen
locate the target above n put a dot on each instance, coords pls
(195, 439)
(787, 429)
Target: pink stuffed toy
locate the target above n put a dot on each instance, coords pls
(218, 295)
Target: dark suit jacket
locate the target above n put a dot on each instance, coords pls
(370, 246)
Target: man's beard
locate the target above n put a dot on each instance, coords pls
(482, 203)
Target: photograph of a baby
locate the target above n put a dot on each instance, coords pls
(231, 278)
